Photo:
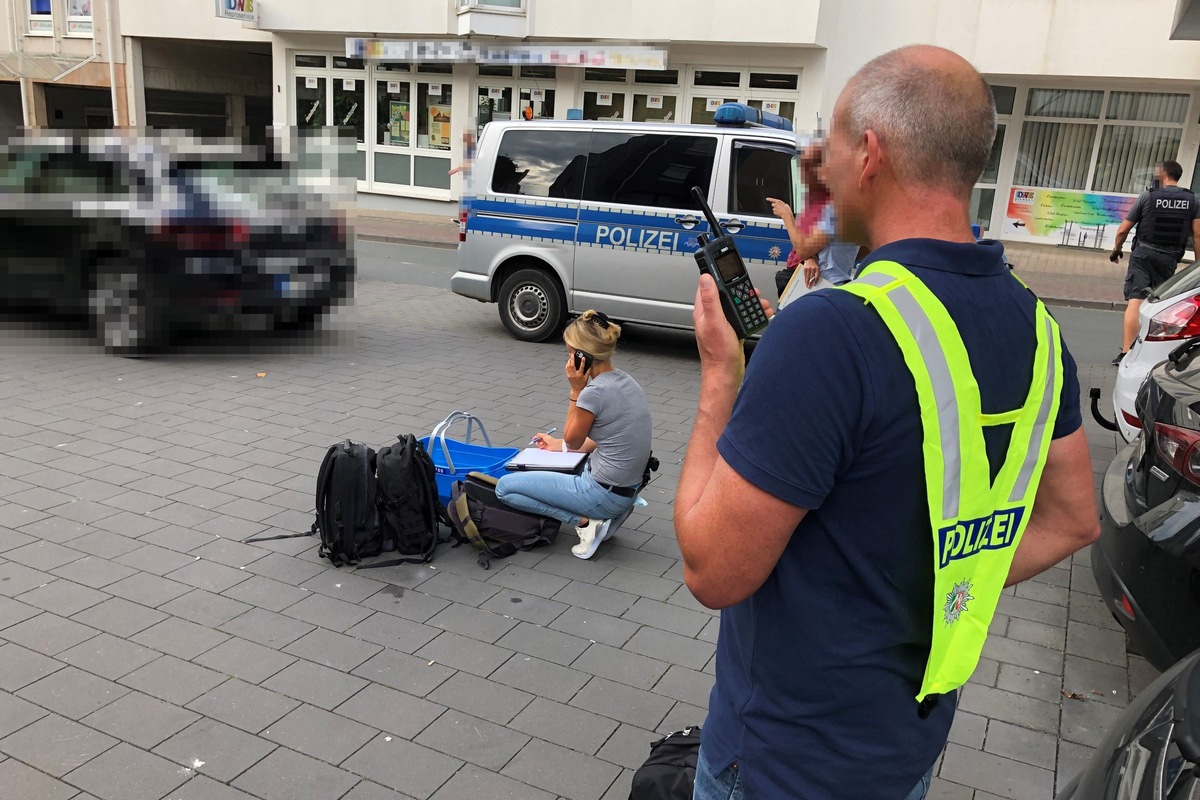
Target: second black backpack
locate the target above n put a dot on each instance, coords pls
(409, 511)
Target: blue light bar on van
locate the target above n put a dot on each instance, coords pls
(741, 115)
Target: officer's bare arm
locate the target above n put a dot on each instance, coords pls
(1122, 234)
(1196, 236)
(1064, 513)
(730, 515)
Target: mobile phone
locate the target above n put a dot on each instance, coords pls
(583, 361)
(718, 256)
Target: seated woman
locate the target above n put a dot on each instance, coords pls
(608, 417)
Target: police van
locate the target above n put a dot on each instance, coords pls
(560, 216)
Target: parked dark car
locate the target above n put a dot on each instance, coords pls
(149, 237)
(1147, 561)
(1153, 751)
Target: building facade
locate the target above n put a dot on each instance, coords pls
(1091, 93)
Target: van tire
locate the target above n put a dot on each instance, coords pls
(532, 305)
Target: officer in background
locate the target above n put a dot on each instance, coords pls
(1164, 217)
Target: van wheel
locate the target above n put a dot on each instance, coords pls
(531, 305)
(125, 309)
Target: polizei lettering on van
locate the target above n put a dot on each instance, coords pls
(637, 237)
(969, 536)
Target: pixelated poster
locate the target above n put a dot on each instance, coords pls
(1052, 214)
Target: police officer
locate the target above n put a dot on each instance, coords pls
(856, 498)
(1164, 217)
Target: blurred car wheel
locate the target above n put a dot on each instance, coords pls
(126, 315)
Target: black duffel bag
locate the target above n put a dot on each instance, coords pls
(495, 529)
(670, 771)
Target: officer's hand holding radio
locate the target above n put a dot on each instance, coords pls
(715, 337)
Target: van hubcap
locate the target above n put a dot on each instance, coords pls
(529, 306)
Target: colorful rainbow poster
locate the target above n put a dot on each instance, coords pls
(1053, 214)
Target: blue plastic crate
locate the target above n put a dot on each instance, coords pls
(453, 460)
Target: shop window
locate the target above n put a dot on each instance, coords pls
(493, 103)
(654, 108)
(1004, 97)
(342, 62)
(648, 169)
(539, 72)
(1128, 155)
(306, 60)
(781, 108)
(1148, 107)
(540, 100)
(433, 115)
(708, 77)
(540, 163)
(1054, 155)
(780, 81)
(393, 113)
(666, 77)
(393, 66)
(603, 105)
(310, 102)
(348, 106)
(1065, 103)
(40, 19)
(495, 71)
(597, 75)
(991, 172)
(759, 173)
(79, 17)
(704, 109)
(516, 5)
(436, 69)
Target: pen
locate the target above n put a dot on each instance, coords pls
(534, 439)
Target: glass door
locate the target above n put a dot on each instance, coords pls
(983, 196)
(494, 104)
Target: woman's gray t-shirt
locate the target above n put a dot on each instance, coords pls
(622, 430)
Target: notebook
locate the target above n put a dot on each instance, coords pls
(552, 460)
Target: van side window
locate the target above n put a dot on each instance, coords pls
(649, 169)
(760, 172)
(541, 163)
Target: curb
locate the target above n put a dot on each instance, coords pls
(1099, 305)
(371, 237)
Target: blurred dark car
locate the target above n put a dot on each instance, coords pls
(150, 237)
(1147, 561)
(1153, 752)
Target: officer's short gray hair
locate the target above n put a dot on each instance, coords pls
(936, 125)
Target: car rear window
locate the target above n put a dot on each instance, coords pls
(541, 163)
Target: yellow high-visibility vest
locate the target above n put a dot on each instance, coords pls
(976, 525)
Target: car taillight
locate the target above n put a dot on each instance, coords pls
(1179, 448)
(204, 236)
(1131, 419)
(1178, 321)
(462, 226)
(1127, 607)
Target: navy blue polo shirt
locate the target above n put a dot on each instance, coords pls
(817, 671)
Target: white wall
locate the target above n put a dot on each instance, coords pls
(786, 22)
(1067, 39)
(407, 18)
(185, 19)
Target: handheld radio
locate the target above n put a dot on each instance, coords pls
(718, 256)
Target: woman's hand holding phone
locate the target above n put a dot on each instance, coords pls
(577, 376)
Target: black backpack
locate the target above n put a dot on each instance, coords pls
(409, 512)
(345, 501)
(670, 771)
(495, 529)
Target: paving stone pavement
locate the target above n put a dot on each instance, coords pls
(147, 653)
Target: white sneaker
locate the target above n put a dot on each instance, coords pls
(590, 537)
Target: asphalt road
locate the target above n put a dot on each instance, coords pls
(1092, 336)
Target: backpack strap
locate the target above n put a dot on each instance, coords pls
(323, 477)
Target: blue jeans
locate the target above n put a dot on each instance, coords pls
(728, 784)
(561, 496)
